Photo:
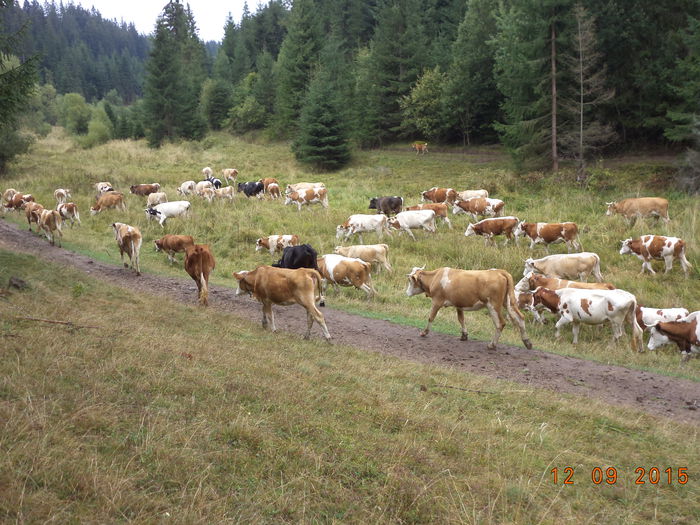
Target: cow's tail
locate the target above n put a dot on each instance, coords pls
(596, 270)
(637, 333)
(684, 262)
(318, 280)
(514, 312)
(204, 293)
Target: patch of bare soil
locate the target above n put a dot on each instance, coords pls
(654, 393)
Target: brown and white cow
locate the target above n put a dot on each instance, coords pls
(633, 208)
(129, 242)
(436, 194)
(103, 187)
(285, 287)
(308, 197)
(346, 271)
(414, 220)
(8, 194)
(32, 211)
(299, 186)
(647, 317)
(566, 266)
(469, 290)
(267, 181)
(420, 147)
(227, 192)
(648, 247)
(50, 221)
(273, 189)
(61, 195)
(172, 244)
(19, 200)
(112, 199)
(276, 243)
(440, 209)
(144, 189)
(479, 206)
(370, 253)
(230, 175)
(550, 233)
(535, 280)
(199, 263)
(685, 333)
(489, 228)
(69, 212)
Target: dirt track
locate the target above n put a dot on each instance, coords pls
(657, 394)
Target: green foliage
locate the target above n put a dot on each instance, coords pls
(100, 128)
(686, 85)
(74, 113)
(216, 101)
(424, 107)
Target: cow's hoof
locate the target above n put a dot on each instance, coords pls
(464, 337)
(423, 334)
(126, 265)
(491, 346)
(528, 344)
(322, 303)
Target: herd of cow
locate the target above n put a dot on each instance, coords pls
(301, 275)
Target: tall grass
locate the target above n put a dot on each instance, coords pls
(232, 227)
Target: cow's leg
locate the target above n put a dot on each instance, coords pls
(433, 312)
(498, 323)
(408, 230)
(532, 244)
(447, 221)
(647, 264)
(575, 327)
(460, 318)
(563, 321)
(668, 261)
(519, 322)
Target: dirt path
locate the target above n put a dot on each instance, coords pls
(661, 395)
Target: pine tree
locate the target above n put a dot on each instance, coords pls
(686, 86)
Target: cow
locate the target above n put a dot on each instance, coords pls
(103, 187)
(412, 220)
(469, 290)
(208, 193)
(230, 175)
(302, 256)
(595, 307)
(50, 221)
(308, 197)
(274, 190)
(216, 183)
(633, 208)
(440, 209)
(32, 211)
(144, 189)
(69, 212)
(227, 192)
(299, 186)
(207, 172)
(61, 195)
(251, 189)
(8, 194)
(201, 185)
(685, 333)
(108, 200)
(420, 147)
(479, 206)
(158, 197)
(199, 263)
(489, 228)
(468, 194)
(371, 253)
(647, 317)
(129, 241)
(535, 280)
(386, 205)
(359, 223)
(435, 194)
(566, 266)
(648, 247)
(19, 200)
(347, 271)
(166, 210)
(276, 243)
(284, 287)
(550, 233)
(187, 188)
(172, 244)
(267, 181)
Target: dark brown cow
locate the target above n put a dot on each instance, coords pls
(199, 262)
(172, 244)
(144, 189)
(112, 199)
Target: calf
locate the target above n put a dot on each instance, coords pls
(479, 206)
(386, 205)
(308, 197)
(566, 266)
(370, 253)
(158, 197)
(199, 263)
(276, 243)
(187, 188)
(647, 317)
(345, 271)
(436, 194)
(61, 195)
(592, 307)
(293, 257)
(172, 244)
(274, 190)
(230, 175)
(633, 208)
(685, 333)
(648, 247)
(284, 287)
(32, 211)
(202, 185)
(144, 189)
(469, 290)
(208, 194)
(489, 228)
(166, 210)
(549, 233)
(108, 200)
(413, 220)
(226, 192)
(251, 189)
(358, 223)
(50, 221)
(69, 212)
(440, 209)
(129, 241)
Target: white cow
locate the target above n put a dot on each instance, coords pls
(647, 317)
(468, 194)
(187, 187)
(358, 223)
(167, 210)
(413, 220)
(566, 266)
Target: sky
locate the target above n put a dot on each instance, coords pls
(209, 15)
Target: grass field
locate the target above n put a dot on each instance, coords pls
(129, 417)
(231, 228)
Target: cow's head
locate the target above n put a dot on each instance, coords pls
(470, 231)
(657, 338)
(259, 244)
(625, 247)
(612, 208)
(158, 244)
(414, 284)
(240, 186)
(246, 282)
(339, 230)
(132, 188)
(520, 230)
(547, 298)
(373, 203)
(151, 213)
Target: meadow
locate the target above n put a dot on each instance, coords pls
(231, 228)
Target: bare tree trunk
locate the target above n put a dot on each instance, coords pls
(581, 157)
(555, 156)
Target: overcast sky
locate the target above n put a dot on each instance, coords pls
(210, 15)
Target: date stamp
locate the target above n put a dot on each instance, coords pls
(609, 475)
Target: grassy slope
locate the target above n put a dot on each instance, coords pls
(113, 423)
(233, 228)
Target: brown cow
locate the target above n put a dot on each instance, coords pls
(469, 290)
(144, 189)
(50, 221)
(550, 233)
(274, 190)
(489, 228)
(112, 199)
(420, 147)
(69, 212)
(129, 241)
(346, 271)
(648, 247)
(33, 212)
(284, 287)
(172, 244)
(18, 200)
(436, 194)
(639, 207)
(440, 209)
(199, 262)
(479, 206)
